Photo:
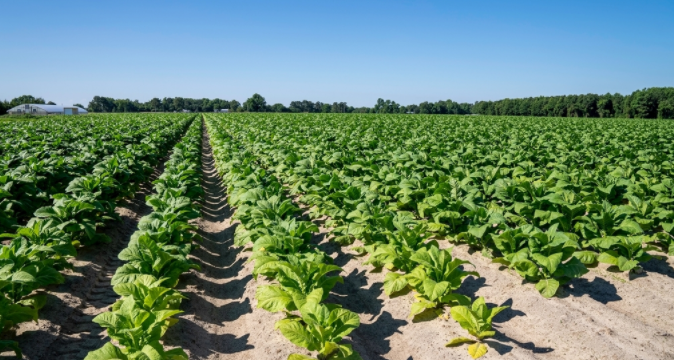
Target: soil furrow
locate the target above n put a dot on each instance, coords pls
(65, 329)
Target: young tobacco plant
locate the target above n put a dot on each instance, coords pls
(151, 351)
(477, 320)
(397, 255)
(134, 327)
(625, 252)
(146, 257)
(148, 294)
(23, 270)
(13, 314)
(320, 328)
(546, 258)
(297, 280)
(435, 279)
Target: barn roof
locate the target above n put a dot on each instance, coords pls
(49, 108)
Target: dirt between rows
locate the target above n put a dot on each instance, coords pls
(599, 316)
(65, 330)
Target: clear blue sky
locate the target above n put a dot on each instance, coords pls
(353, 51)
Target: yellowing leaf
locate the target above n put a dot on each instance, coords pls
(477, 350)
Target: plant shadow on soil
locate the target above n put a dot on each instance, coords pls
(374, 337)
(598, 289)
(191, 337)
(200, 330)
(661, 267)
(500, 341)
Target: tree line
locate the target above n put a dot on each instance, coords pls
(648, 103)
(257, 103)
(167, 104)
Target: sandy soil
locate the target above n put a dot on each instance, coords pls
(65, 329)
(600, 316)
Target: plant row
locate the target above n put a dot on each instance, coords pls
(40, 158)
(283, 252)
(546, 199)
(38, 251)
(155, 258)
(394, 239)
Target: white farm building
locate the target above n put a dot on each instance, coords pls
(41, 109)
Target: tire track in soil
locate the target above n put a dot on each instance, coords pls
(216, 292)
(65, 329)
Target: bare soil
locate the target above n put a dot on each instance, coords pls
(65, 330)
(602, 315)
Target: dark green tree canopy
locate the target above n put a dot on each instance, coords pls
(25, 99)
(255, 103)
(647, 103)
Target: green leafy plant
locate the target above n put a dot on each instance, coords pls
(624, 252)
(297, 280)
(148, 294)
(546, 258)
(435, 279)
(320, 328)
(22, 271)
(145, 257)
(477, 320)
(151, 351)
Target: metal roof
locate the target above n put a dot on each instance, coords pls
(49, 108)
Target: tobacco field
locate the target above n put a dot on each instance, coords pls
(336, 236)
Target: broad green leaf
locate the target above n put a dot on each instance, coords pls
(394, 282)
(297, 334)
(300, 357)
(107, 352)
(272, 298)
(466, 318)
(459, 341)
(547, 287)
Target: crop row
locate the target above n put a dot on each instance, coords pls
(40, 158)
(155, 258)
(38, 251)
(433, 273)
(283, 252)
(545, 199)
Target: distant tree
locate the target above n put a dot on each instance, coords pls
(305, 106)
(51, 103)
(425, 108)
(574, 110)
(340, 107)
(178, 104)
(155, 104)
(605, 106)
(255, 103)
(278, 108)
(235, 105)
(126, 105)
(644, 104)
(101, 104)
(666, 109)
(25, 99)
